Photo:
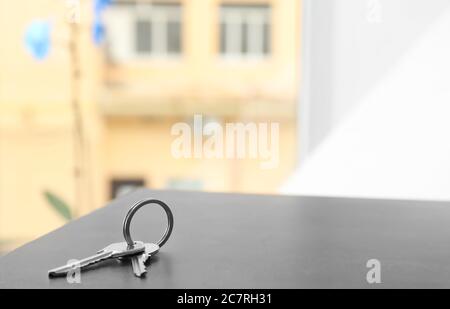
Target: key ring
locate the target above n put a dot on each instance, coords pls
(135, 208)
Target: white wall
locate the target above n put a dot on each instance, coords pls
(389, 106)
(347, 54)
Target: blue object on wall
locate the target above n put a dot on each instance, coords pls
(38, 39)
(98, 29)
(100, 5)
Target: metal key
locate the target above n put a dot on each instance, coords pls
(116, 250)
(138, 261)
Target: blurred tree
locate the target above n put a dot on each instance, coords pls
(38, 42)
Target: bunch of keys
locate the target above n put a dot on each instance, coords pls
(138, 251)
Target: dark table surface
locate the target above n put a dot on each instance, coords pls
(251, 241)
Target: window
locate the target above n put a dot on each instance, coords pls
(245, 30)
(144, 36)
(158, 29)
(143, 29)
(120, 187)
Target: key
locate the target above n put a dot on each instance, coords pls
(116, 250)
(138, 261)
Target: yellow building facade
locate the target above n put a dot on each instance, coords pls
(132, 89)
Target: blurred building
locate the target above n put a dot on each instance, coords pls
(161, 63)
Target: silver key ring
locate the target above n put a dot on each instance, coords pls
(135, 208)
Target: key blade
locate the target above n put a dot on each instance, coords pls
(137, 262)
(63, 270)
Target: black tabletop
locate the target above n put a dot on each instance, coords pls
(251, 241)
